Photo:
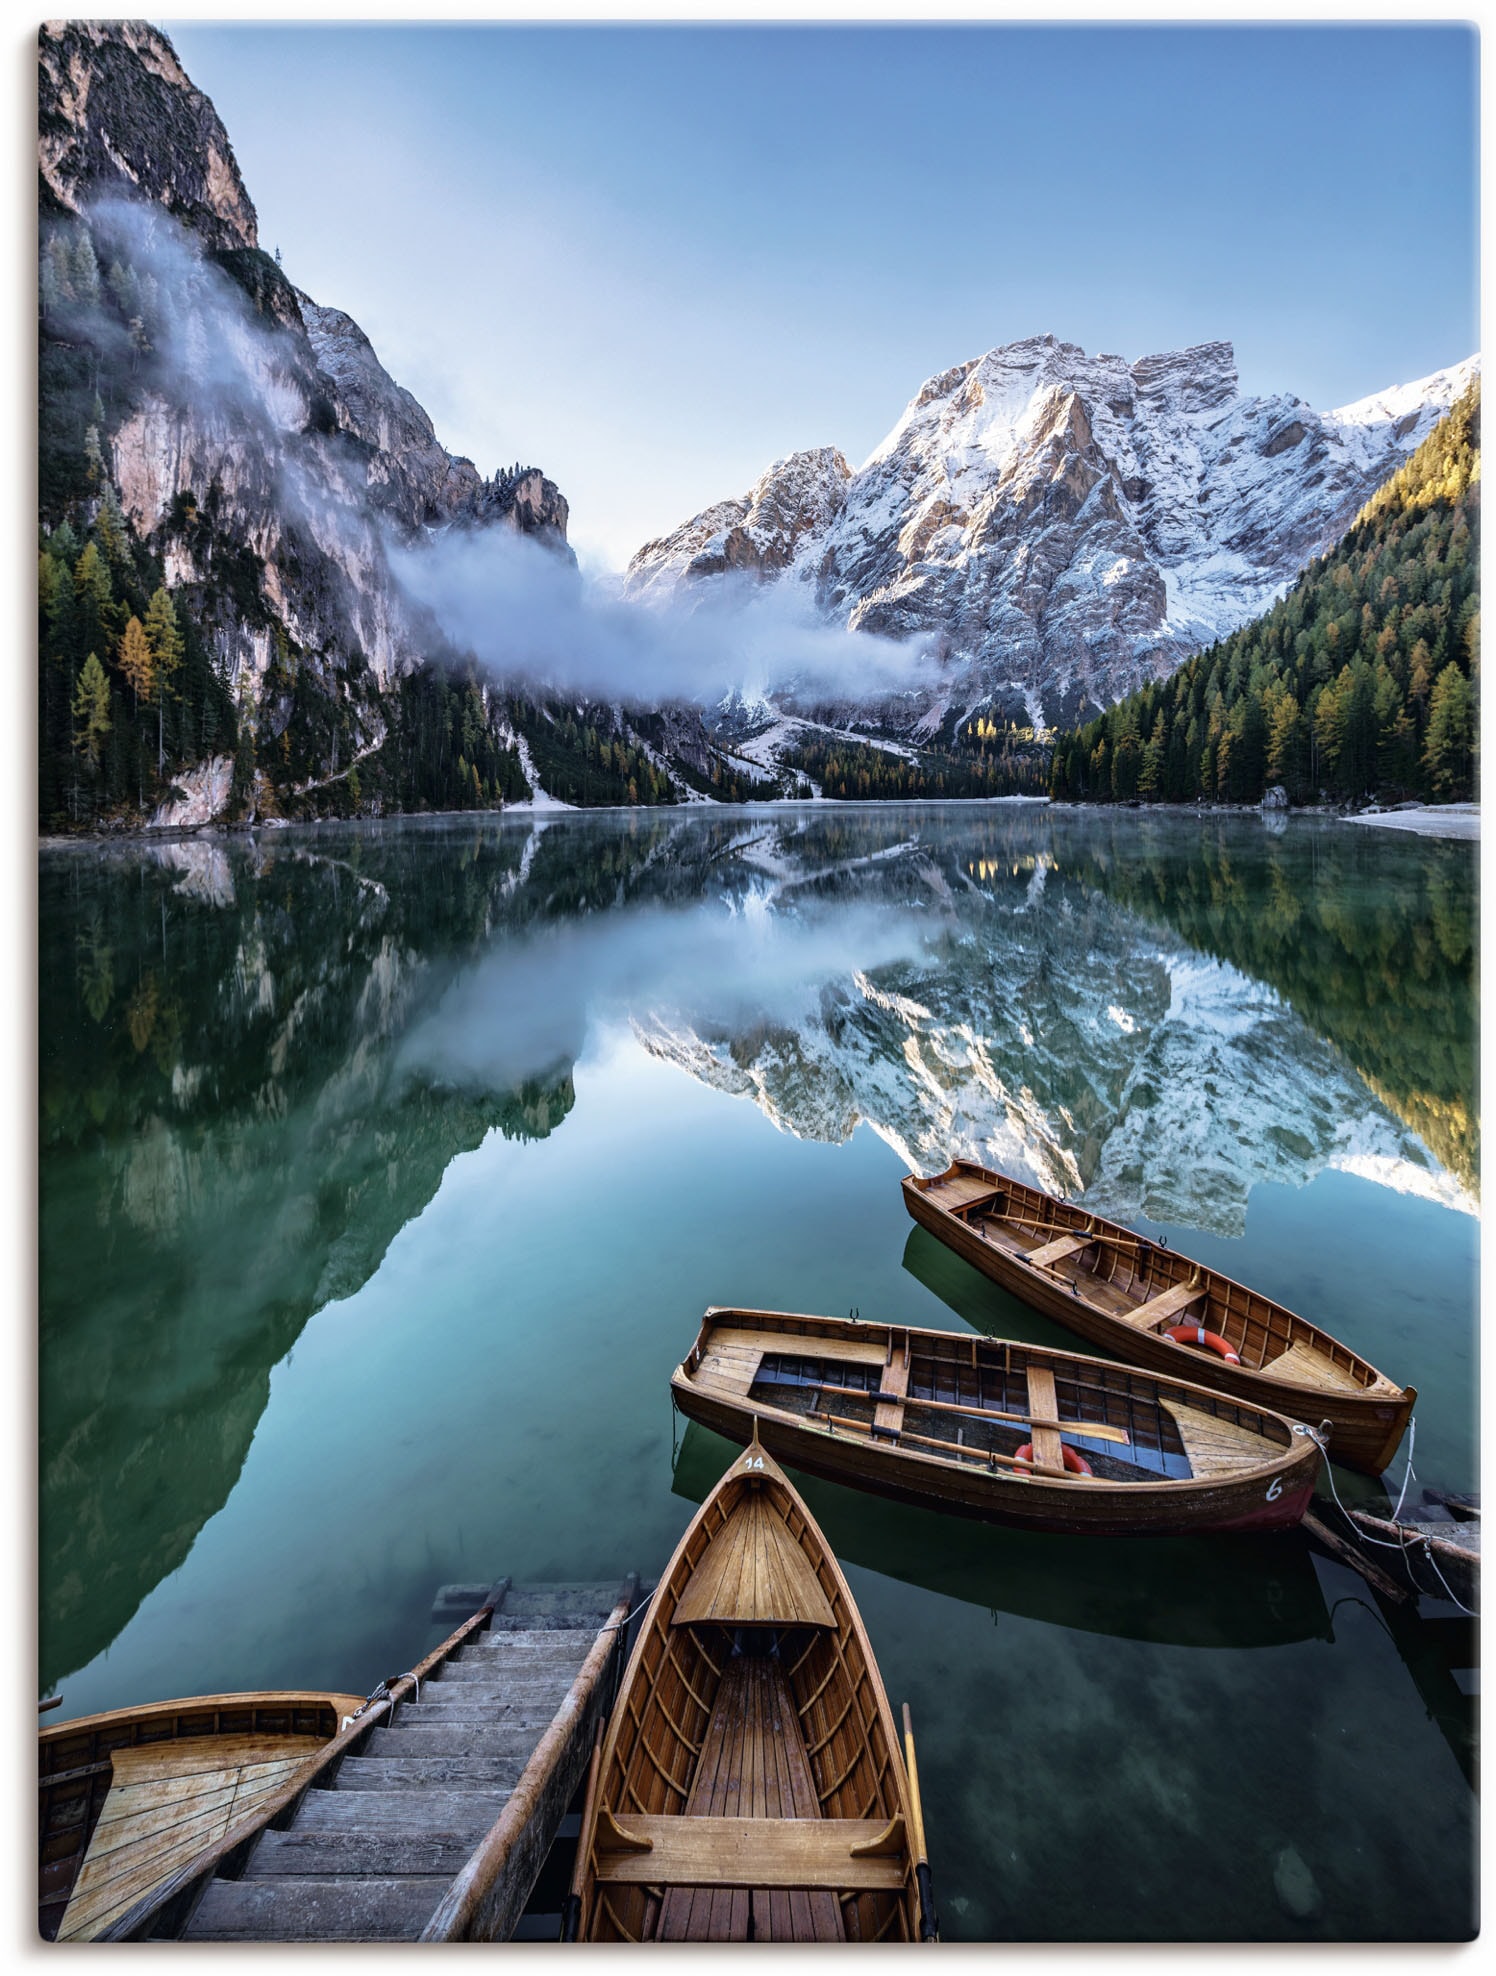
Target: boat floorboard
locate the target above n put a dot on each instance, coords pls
(752, 1764)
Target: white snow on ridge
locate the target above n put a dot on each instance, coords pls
(1063, 524)
(1386, 407)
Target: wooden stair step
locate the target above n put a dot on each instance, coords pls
(520, 1641)
(549, 1670)
(483, 1674)
(306, 1909)
(452, 1740)
(451, 1810)
(525, 1713)
(391, 1773)
(480, 1695)
(581, 1595)
(384, 1854)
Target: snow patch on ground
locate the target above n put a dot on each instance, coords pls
(539, 800)
(1451, 820)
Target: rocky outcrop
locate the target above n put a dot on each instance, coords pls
(1071, 526)
(410, 474)
(796, 500)
(117, 115)
(257, 444)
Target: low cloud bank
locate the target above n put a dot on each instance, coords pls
(528, 614)
(529, 1006)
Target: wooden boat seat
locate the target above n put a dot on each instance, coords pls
(1044, 1429)
(1168, 1303)
(864, 1855)
(1303, 1365)
(888, 1415)
(753, 1574)
(1056, 1251)
(731, 1359)
(960, 1190)
(1214, 1446)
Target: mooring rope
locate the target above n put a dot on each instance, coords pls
(1403, 1544)
(617, 1625)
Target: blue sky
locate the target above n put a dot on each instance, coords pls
(653, 259)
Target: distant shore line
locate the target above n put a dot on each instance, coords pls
(1455, 821)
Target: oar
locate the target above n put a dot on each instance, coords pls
(929, 1925)
(1126, 1239)
(571, 1907)
(1094, 1429)
(954, 1453)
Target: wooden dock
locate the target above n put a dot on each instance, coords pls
(430, 1816)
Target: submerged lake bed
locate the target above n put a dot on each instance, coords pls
(387, 1170)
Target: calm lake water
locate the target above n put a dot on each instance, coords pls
(386, 1172)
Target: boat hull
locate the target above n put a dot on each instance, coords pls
(1363, 1432)
(748, 1790)
(1272, 1496)
(121, 1768)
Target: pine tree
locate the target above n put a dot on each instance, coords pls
(91, 709)
(135, 660)
(166, 648)
(85, 269)
(1451, 733)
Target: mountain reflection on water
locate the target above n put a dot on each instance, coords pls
(258, 1059)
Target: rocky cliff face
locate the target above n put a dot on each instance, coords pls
(1069, 526)
(117, 115)
(256, 444)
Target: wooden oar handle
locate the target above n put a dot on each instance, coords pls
(1097, 1430)
(929, 1926)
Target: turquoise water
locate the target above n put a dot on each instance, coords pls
(386, 1173)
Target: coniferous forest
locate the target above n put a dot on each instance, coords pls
(1360, 683)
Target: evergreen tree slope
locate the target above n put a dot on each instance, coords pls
(1360, 682)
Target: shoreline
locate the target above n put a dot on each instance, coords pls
(1456, 822)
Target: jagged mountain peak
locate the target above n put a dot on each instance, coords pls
(757, 534)
(117, 115)
(1070, 526)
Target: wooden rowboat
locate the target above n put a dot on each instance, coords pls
(751, 1785)
(127, 1796)
(1128, 1294)
(996, 1430)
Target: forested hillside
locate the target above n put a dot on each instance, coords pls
(1361, 682)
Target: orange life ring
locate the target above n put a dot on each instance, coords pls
(1196, 1334)
(1075, 1464)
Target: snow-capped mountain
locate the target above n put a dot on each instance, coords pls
(1069, 526)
